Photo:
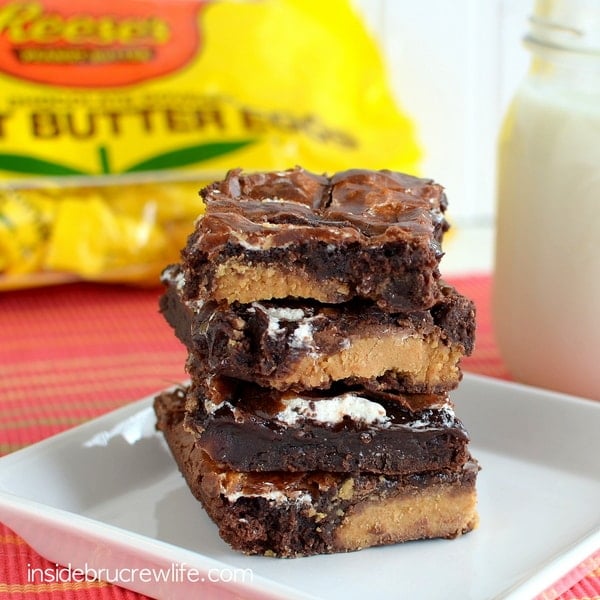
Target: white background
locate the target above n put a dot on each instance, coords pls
(454, 65)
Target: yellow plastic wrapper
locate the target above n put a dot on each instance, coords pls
(114, 114)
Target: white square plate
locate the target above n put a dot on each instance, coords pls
(107, 497)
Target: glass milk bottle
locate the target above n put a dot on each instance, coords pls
(546, 298)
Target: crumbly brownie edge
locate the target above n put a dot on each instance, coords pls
(316, 513)
(294, 529)
(288, 345)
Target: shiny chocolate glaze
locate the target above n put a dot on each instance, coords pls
(377, 232)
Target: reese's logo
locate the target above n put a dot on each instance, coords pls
(96, 44)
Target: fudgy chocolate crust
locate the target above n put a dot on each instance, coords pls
(301, 514)
(302, 345)
(247, 428)
(179, 314)
(295, 234)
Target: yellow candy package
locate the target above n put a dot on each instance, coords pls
(113, 114)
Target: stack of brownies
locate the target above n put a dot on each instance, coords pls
(322, 345)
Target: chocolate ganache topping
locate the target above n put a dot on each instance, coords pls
(272, 209)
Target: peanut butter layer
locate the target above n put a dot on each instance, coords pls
(300, 514)
(293, 345)
(294, 234)
(248, 428)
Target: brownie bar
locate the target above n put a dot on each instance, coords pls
(301, 514)
(248, 428)
(294, 234)
(291, 345)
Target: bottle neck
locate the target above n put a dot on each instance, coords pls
(578, 73)
(567, 26)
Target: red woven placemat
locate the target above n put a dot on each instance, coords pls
(74, 352)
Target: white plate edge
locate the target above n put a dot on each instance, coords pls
(555, 568)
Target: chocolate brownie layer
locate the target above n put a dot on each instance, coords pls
(300, 514)
(248, 428)
(306, 345)
(294, 234)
